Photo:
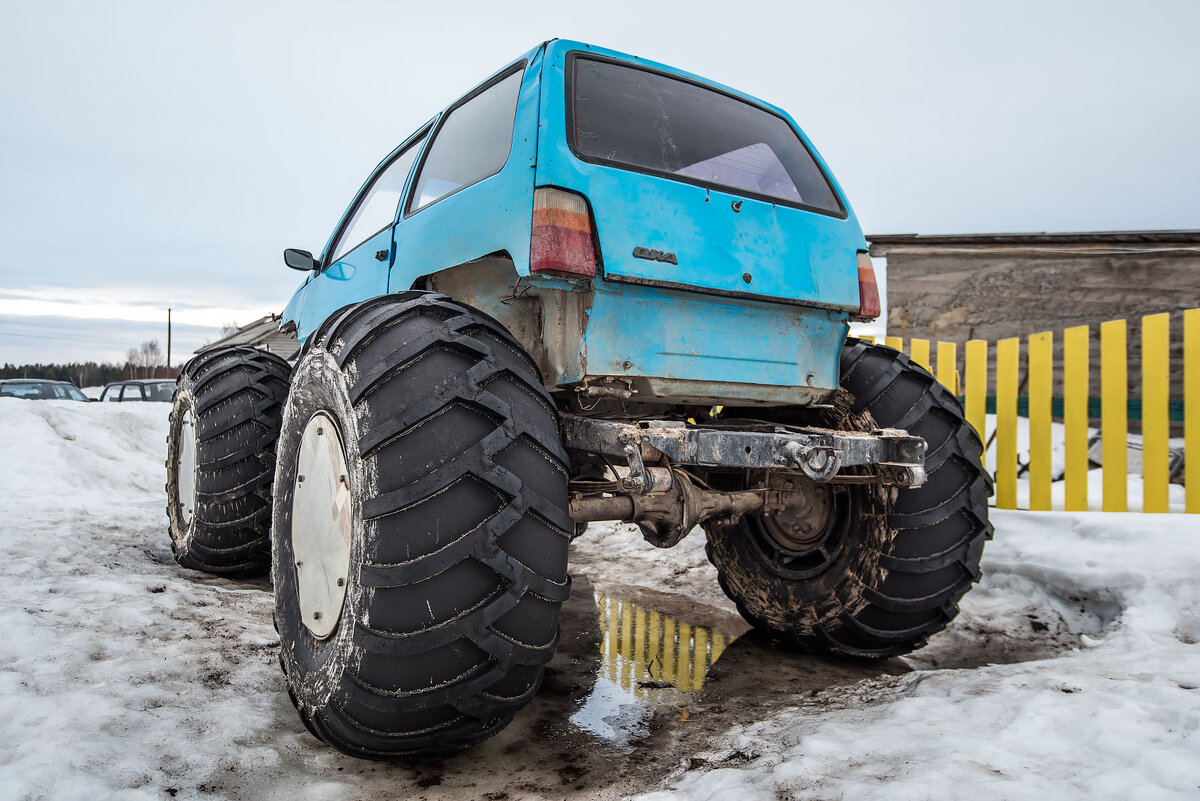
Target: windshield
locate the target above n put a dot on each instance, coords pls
(666, 126)
(28, 389)
(40, 390)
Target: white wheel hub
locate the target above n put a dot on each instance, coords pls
(321, 517)
(185, 473)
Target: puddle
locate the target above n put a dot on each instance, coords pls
(648, 659)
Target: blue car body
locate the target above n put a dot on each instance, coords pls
(742, 299)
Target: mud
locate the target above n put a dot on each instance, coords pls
(643, 683)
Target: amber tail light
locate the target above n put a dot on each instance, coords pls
(868, 290)
(562, 234)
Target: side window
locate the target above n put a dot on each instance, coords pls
(131, 392)
(377, 209)
(112, 394)
(472, 143)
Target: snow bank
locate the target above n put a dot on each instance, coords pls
(1115, 717)
(74, 456)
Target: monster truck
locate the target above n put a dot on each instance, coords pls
(593, 288)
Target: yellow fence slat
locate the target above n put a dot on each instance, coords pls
(947, 365)
(894, 342)
(976, 389)
(919, 352)
(1156, 343)
(1008, 352)
(1075, 417)
(1114, 413)
(1191, 410)
(1041, 380)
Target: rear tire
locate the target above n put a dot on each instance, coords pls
(225, 418)
(892, 565)
(458, 533)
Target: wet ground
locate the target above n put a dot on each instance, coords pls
(642, 681)
(642, 684)
(646, 685)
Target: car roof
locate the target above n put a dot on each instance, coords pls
(141, 381)
(34, 381)
(557, 46)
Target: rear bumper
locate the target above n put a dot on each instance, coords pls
(892, 455)
(665, 345)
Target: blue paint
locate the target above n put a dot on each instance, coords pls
(776, 282)
(790, 253)
(652, 332)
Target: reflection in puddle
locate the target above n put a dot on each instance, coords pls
(645, 649)
(648, 660)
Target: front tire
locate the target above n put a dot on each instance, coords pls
(225, 419)
(455, 565)
(889, 566)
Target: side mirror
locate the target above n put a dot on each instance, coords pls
(299, 259)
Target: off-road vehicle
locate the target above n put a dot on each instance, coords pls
(593, 288)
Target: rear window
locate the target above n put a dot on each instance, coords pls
(635, 118)
(160, 392)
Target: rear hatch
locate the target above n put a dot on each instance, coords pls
(696, 187)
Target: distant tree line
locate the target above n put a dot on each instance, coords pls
(146, 361)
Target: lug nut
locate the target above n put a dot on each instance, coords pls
(341, 582)
(316, 615)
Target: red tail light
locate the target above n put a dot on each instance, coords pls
(868, 290)
(562, 234)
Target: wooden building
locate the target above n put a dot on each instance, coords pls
(993, 286)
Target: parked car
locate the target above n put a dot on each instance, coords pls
(593, 288)
(38, 389)
(141, 389)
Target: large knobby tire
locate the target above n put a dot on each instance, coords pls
(225, 419)
(891, 565)
(458, 527)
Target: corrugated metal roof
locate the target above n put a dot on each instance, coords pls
(262, 333)
(1165, 237)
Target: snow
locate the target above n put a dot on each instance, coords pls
(1072, 672)
(1116, 717)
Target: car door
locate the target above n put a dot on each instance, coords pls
(356, 263)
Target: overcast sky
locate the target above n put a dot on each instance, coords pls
(157, 154)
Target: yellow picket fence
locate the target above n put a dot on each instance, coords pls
(1155, 411)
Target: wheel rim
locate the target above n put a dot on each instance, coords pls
(185, 472)
(321, 522)
(799, 554)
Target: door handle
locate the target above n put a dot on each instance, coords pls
(380, 255)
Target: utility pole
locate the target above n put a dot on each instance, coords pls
(168, 339)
